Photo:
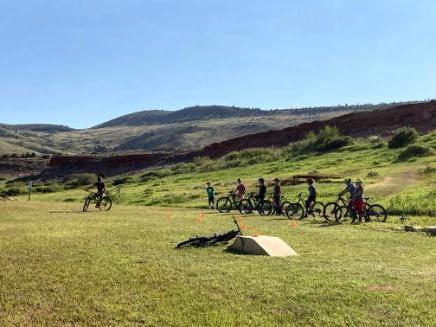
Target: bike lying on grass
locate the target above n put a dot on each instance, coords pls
(297, 210)
(102, 202)
(203, 241)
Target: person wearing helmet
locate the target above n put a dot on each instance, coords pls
(359, 204)
(311, 199)
(277, 197)
(350, 188)
(240, 190)
(262, 191)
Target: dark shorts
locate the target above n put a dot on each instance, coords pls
(211, 199)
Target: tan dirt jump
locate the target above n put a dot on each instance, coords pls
(263, 245)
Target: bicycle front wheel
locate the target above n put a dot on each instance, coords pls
(329, 211)
(318, 209)
(377, 213)
(344, 214)
(224, 205)
(86, 204)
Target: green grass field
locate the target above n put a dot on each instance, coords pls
(63, 267)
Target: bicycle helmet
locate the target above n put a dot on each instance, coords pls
(347, 180)
(276, 180)
(310, 180)
(261, 180)
(359, 180)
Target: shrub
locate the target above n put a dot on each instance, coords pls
(11, 192)
(333, 144)
(403, 137)
(413, 151)
(82, 180)
(372, 173)
(121, 180)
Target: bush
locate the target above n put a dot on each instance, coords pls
(121, 180)
(82, 180)
(333, 144)
(327, 139)
(11, 192)
(413, 151)
(403, 137)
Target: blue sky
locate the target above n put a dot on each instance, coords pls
(80, 62)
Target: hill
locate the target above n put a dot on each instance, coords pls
(184, 130)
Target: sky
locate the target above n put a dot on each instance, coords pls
(82, 62)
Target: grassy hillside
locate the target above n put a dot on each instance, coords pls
(404, 185)
(63, 267)
(183, 130)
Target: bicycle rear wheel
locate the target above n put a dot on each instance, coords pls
(224, 205)
(106, 203)
(245, 206)
(377, 213)
(265, 208)
(344, 214)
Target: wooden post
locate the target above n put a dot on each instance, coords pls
(30, 190)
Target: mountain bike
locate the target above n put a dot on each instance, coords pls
(203, 241)
(373, 212)
(227, 203)
(297, 210)
(264, 208)
(94, 198)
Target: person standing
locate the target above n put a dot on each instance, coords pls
(262, 191)
(311, 199)
(240, 190)
(277, 197)
(359, 203)
(210, 195)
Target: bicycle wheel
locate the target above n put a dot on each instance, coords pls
(245, 206)
(86, 204)
(318, 209)
(295, 211)
(106, 203)
(343, 214)
(377, 213)
(224, 205)
(265, 208)
(283, 206)
(329, 211)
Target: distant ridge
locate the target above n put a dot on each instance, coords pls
(45, 128)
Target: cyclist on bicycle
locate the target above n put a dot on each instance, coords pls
(240, 190)
(262, 191)
(277, 196)
(101, 190)
(312, 195)
(210, 195)
(359, 204)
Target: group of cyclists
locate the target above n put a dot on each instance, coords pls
(353, 189)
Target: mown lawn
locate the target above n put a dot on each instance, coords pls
(59, 266)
